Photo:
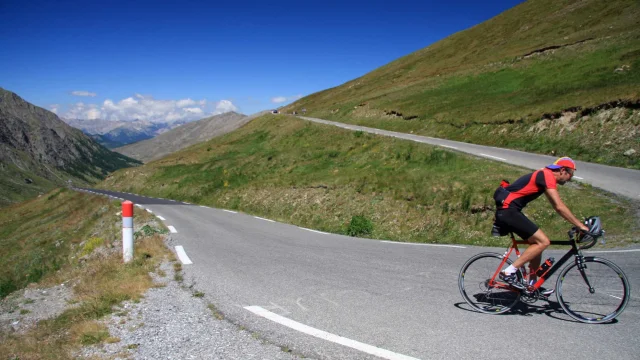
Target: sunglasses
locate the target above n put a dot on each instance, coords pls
(570, 171)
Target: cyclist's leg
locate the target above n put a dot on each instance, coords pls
(517, 222)
(534, 264)
(537, 243)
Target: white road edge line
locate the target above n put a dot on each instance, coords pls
(257, 217)
(202, 206)
(613, 251)
(493, 157)
(160, 217)
(172, 229)
(423, 244)
(229, 211)
(578, 177)
(182, 255)
(366, 348)
(149, 211)
(450, 147)
(315, 231)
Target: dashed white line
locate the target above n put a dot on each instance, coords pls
(493, 157)
(160, 217)
(149, 211)
(578, 177)
(182, 255)
(315, 231)
(614, 251)
(263, 219)
(450, 147)
(139, 206)
(229, 211)
(423, 244)
(172, 229)
(366, 348)
(202, 206)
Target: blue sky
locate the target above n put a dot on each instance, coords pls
(170, 60)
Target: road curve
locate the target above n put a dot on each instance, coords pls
(621, 181)
(381, 299)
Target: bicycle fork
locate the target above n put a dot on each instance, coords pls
(582, 266)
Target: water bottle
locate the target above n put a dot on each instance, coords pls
(545, 267)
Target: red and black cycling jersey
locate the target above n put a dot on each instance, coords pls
(528, 188)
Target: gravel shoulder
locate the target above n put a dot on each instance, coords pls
(171, 322)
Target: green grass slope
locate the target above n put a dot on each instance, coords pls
(70, 238)
(354, 183)
(495, 82)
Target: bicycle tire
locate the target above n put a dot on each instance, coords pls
(609, 299)
(474, 286)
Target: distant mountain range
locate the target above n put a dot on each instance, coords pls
(38, 151)
(185, 135)
(112, 134)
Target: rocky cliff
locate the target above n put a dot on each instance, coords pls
(36, 144)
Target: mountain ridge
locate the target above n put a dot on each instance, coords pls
(185, 135)
(39, 149)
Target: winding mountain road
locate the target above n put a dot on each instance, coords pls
(621, 181)
(330, 296)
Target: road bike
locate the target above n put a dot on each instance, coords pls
(589, 289)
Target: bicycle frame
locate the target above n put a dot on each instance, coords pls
(574, 251)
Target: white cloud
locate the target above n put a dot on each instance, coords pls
(54, 108)
(224, 106)
(145, 107)
(194, 110)
(83, 93)
(281, 99)
(185, 102)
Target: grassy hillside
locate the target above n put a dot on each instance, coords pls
(340, 181)
(75, 239)
(494, 83)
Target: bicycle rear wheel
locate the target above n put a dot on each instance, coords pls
(607, 298)
(480, 287)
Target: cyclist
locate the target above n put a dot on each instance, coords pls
(512, 198)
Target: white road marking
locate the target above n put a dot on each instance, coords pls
(366, 348)
(450, 147)
(315, 231)
(160, 217)
(172, 229)
(139, 206)
(615, 297)
(264, 219)
(229, 211)
(202, 206)
(182, 255)
(578, 177)
(423, 244)
(493, 157)
(300, 305)
(149, 211)
(613, 251)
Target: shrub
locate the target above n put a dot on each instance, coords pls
(359, 225)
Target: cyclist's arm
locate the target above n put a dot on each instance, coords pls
(562, 209)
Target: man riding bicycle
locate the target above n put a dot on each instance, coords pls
(512, 198)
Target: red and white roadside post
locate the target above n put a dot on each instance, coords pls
(127, 231)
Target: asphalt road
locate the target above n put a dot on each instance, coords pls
(617, 180)
(398, 299)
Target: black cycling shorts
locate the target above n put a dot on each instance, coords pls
(515, 221)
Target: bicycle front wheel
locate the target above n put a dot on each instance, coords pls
(596, 294)
(480, 287)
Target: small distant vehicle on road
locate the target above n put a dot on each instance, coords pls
(274, 111)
